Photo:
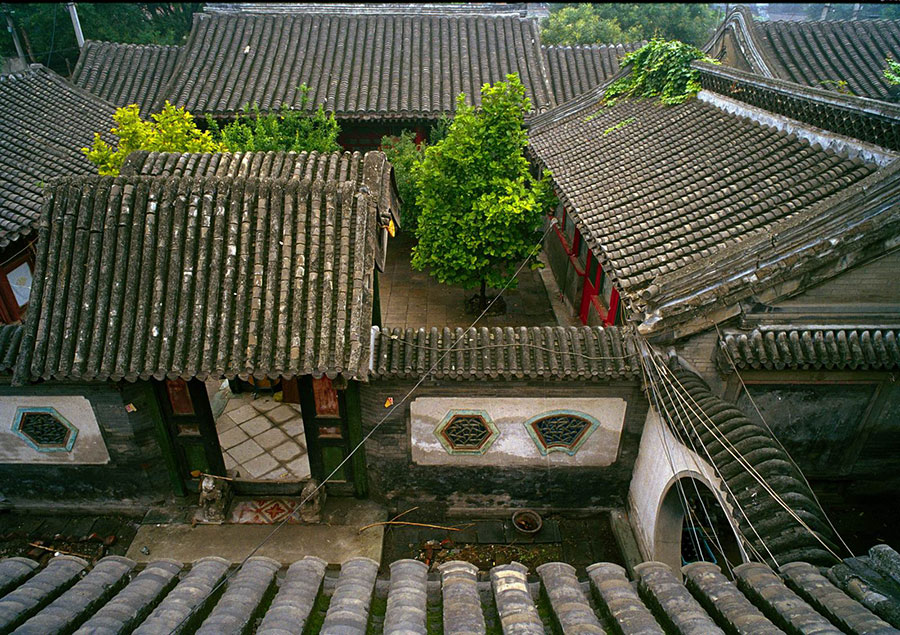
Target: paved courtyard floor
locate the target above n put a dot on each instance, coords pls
(262, 439)
(413, 299)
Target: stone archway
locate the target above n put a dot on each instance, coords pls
(671, 518)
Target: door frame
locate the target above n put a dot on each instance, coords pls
(176, 427)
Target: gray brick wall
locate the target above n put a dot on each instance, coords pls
(135, 471)
(872, 283)
(394, 479)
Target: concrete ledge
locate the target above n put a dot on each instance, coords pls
(334, 544)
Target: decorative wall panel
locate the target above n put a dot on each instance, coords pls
(50, 430)
(515, 432)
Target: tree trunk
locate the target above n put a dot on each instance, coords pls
(483, 294)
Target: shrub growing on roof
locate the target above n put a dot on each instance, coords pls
(170, 130)
(480, 206)
(660, 69)
(289, 130)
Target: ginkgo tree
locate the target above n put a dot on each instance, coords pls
(171, 130)
(480, 207)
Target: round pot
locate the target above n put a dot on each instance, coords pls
(527, 521)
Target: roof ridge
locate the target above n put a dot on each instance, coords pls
(132, 44)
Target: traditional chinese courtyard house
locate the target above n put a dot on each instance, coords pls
(752, 231)
(148, 285)
(380, 68)
(843, 56)
(44, 123)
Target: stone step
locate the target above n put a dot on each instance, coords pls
(570, 606)
(348, 612)
(133, 603)
(77, 604)
(39, 591)
(245, 591)
(296, 598)
(184, 605)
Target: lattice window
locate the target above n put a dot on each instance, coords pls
(561, 431)
(44, 429)
(466, 432)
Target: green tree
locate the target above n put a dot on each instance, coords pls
(171, 130)
(404, 154)
(46, 31)
(601, 23)
(480, 207)
(659, 69)
(290, 130)
(892, 71)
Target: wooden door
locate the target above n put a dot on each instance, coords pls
(591, 275)
(327, 431)
(190, 427)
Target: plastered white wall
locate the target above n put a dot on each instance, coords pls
(661, 461)
(514, 446)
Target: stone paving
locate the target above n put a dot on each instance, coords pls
(414, 299)
(262, 439)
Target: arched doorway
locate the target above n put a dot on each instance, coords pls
(700, 531)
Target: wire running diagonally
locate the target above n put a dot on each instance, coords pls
(711, 428)
(778, 441)
(368, 435)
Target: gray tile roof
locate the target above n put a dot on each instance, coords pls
(44, 123)
(576, 69)
(359, 66)
(723, 436)
(372, 169)
(164, 276)
(125, 74)
(548, 352)
(670, 198)
(798, 598)
(798, 348)
(816, 53)
(371, 172)
(10, 341)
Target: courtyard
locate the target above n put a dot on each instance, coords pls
(413, 299)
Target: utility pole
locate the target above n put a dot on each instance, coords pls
(11, 27)
(73, 12)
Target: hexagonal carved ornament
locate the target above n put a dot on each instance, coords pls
(44, 429)
(466, 432)
(561, 431)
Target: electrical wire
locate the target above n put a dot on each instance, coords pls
(727, 445)
(53, 33)
(340, 465)
(697, 489)
(778, 441)
(743, 513)
(678, 485)
(734, 500)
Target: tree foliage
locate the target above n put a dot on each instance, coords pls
(48, 36)
(290, 130)
(480, 206)
(171, 130)
(660, 69)
(602, 23)
(892, 71)
(404, 154)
